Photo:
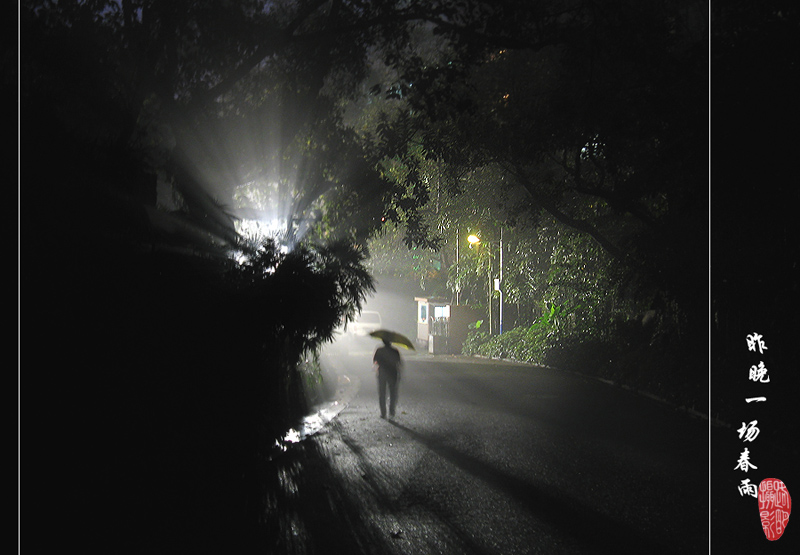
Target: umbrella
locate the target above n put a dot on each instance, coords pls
(393, 337)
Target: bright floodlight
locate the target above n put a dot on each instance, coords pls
(473, 239)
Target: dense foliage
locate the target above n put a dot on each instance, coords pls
(575, 138)
(575, 132)
(159, 371)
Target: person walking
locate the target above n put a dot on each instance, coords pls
(387, 364)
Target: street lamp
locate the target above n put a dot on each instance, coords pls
(498, 283)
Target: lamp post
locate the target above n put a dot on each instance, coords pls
(498, 284)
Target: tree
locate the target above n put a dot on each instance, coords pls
(174, 85)
(594, 114)
(163, 364)
(590, 124)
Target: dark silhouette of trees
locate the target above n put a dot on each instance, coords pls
(592, 121)
(161, 369)
(598, 114)
(140, 119)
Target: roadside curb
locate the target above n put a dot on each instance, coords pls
(715, 421)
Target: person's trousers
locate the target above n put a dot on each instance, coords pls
(387, 378)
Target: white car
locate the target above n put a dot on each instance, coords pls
(367, 322)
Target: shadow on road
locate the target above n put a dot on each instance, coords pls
(308, 511)
(589, 528)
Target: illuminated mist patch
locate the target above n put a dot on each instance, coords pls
(255, 166)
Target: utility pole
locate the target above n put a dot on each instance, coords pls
(490, 295)
(500, 287)
(458, 285)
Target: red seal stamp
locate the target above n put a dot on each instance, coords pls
(774, 507)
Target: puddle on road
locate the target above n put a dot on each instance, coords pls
(308, 427)
(313, 423)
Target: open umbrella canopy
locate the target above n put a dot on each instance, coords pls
(393, 337)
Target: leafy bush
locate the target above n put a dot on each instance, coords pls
(628, 352)
(527, 344)
(293, 301)
(475, 338)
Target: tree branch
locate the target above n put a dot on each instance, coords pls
(616, 200)
(580, 225)
(271, 44)
(280, 38)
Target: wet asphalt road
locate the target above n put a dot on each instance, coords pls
(495, 457)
